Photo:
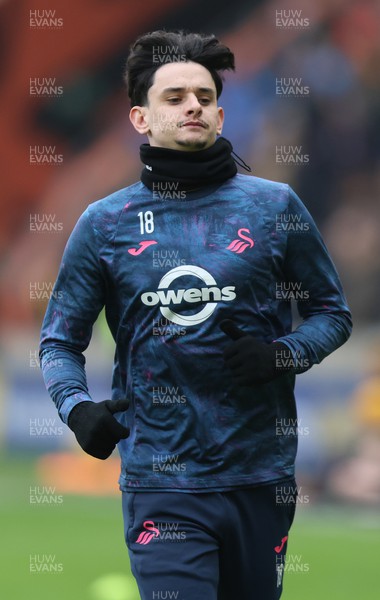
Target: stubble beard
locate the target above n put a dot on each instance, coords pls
(192, 145)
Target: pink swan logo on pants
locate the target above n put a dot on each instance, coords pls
(239, 246)
(145, 537)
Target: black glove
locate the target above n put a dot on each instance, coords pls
(95, 428)
(249, 360)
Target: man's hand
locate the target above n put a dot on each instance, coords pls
(95, 428)
(249, 360)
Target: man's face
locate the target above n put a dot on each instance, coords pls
(182, 111)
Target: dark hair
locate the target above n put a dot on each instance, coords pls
(152, 50)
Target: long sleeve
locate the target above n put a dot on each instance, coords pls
(183, 400)
(77, 298)
(326, 318)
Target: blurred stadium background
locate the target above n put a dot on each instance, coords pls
(62, 97)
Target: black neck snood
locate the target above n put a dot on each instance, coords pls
(189, 170)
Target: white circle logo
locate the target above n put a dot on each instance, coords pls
(165, 296)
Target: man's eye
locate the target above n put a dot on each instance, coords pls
(174, 100)
(205, 100)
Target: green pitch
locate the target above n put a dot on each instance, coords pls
(73, 547)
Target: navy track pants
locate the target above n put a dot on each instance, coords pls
(210, 546)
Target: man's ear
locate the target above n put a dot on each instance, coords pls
(219, 127)
(138, 118)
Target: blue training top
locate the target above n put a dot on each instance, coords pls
(168, 267)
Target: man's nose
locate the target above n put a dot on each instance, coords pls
(193, 105)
